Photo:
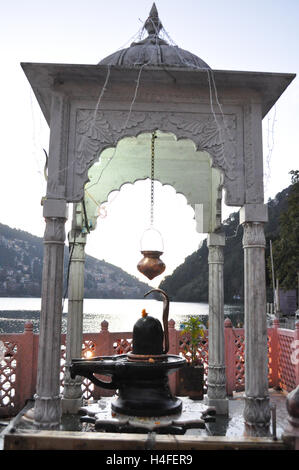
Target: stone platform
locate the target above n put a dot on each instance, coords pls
(223, 433)
(194, 415)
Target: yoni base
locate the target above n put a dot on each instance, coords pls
(194, 415)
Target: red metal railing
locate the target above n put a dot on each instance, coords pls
(18, 360)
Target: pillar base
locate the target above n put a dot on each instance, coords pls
(47, 412)
(71, 405)
(257, 416)
(220, 404)
(256, 430)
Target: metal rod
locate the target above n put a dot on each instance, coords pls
(273, 415)
(273, 278)
(152, 176)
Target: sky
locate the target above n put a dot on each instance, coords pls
(255, 35)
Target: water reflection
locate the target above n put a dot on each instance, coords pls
(121, 314)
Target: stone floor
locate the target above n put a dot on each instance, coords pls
(231, 426)
(234, 426)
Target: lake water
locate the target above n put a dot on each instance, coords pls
(121, 314)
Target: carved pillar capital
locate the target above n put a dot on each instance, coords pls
(253, 235)
(54, 231)
(215, 255)
(216, 242)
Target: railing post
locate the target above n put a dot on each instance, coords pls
(102, 349)
(295, 353)
(103, 345)
(173, 349)
(230, 362)
(173, 338)
(25, 370)
(275, 353)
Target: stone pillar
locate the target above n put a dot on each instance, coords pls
(257, 405)
(72, 395)
(217, 396)
(47, 411)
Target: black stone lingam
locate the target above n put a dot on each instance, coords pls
(141, 376)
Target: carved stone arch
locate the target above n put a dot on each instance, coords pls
(97, 132)
(177, 163)
(94, 209)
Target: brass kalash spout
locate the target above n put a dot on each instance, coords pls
(141, 376)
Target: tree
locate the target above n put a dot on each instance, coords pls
(286, 247)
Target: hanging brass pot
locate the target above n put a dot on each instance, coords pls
(151, 265)
(151, 243)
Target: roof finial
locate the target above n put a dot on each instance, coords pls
(153, 24)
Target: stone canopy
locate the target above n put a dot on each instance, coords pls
(175, 100)
(209, 139)
(153, 85)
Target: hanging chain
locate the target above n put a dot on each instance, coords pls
(152, 176)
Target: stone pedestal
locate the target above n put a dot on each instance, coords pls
(47, 411)
(257, 406)
(216, 396)
(72, 395)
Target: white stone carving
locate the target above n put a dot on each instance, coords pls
(94, 133)
(257, 416)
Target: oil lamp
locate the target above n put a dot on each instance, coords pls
(151, 242)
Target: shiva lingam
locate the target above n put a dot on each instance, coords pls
(140, 376)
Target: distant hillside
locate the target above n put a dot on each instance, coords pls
(189, 281)
(21, 258)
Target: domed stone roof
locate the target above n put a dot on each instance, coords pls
(154, 51)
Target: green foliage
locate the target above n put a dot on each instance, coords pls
(21, 261)
(233, 258)
(286, 245)
(189, 281)
(195, 330)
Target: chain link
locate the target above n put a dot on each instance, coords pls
(152, 176)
